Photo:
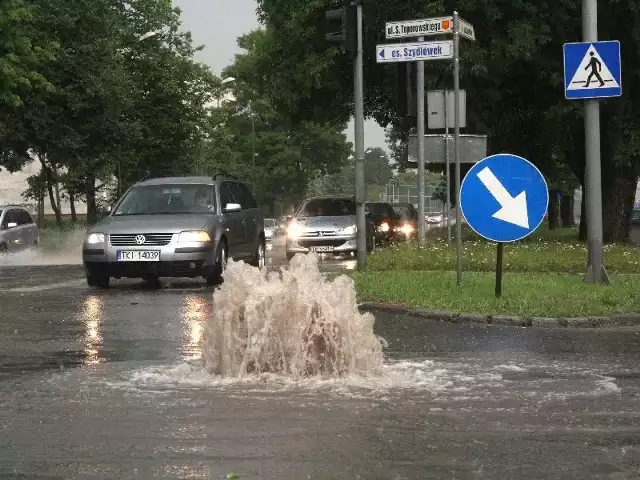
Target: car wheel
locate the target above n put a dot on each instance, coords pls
(259, 259)
(3, 248)
(220, 266)
(100, 281)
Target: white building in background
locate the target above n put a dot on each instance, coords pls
(12, 186)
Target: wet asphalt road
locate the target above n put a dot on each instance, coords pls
(109, 384)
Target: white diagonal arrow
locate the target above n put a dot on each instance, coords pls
(512, 209)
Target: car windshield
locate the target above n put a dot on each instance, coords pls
(269, 222)
(406, 212)
(328, 207)
(380, 210)
(167, 199)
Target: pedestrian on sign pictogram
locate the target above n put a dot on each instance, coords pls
(595, 66)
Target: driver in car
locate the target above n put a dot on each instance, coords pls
(202, 199)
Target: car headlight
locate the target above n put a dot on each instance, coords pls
(383, 227)
(407, 229)
(350, 230)
(294, 231)
(194, 236)
(94, 238)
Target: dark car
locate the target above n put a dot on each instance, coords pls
(176, 227)
(407, 225)
(384, 219)
(635, 216)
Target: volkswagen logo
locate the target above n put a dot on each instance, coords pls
(139, 239)
(320, 234)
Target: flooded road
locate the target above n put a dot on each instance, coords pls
(111, 384)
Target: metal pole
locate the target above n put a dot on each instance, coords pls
(447, 208)
(420, 132)
(359, 141)
(456, 150)
(595, 269)
(253, 153)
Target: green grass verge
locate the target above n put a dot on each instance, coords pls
(558, 251)
(550, 295)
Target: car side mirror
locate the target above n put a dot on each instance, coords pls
(232, 207)
(12, 225)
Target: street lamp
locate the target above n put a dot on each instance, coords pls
(147, 35)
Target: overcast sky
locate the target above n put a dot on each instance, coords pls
(216, 24)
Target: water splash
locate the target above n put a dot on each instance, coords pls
(55, 248)
(295, 322)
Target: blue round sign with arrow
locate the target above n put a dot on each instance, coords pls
(504, 198)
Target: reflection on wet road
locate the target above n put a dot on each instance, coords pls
(110, 384)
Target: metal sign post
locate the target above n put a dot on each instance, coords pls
(504, 198)
(592, 70)
(420, 131)
(456, 143)
(447, 167)
(361, 221)
(419, 52)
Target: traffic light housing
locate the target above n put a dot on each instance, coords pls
(341, 27)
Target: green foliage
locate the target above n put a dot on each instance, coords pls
(23, 49)
(547, 295)
(560, 255)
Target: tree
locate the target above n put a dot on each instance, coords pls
(116, 104)
(23, 50)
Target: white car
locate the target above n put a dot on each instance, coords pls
(271, 228)
(434, 218)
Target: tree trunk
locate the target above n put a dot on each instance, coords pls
(567, 216)
(582, 234)
(618, 193)
(553, 212)
(52, 200)
(72, 207)
(41, 198)
(90, 190)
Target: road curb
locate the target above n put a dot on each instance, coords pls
(629, 320)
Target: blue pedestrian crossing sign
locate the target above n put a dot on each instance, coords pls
(504, 198)
(592, 70)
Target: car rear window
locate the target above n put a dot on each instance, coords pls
(406, 212)
(380, 209)
(328, 207)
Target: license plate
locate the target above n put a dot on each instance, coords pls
(138, 256)
(322, 249)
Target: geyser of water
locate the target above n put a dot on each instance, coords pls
(295, 322)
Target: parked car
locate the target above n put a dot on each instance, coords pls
(271, 228)
(407, 226)
(385, 221)
(434, 218)
(635, 216)
(18, 231)
(176, 227)
(326, 224)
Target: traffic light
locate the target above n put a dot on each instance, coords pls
(341, 26)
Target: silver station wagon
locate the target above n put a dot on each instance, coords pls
(176, 227)
(326, 224)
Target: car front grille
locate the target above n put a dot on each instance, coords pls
(319, 233)
(150, 239)
(320, 242)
